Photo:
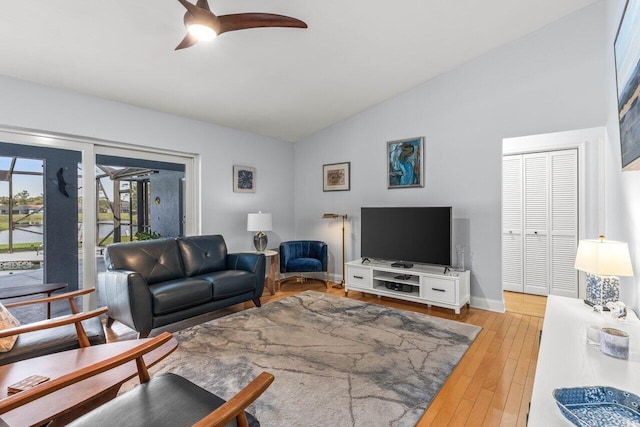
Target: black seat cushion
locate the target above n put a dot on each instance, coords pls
(176, 295)
(166, 400)
(53, 340)
(229, 283)
(203, 254)
(156, 260)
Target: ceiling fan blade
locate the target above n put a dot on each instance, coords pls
(190, 7)
(203, 4)
(243, 21)
(187, 41)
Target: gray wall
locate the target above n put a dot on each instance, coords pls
(548, 81)
(32, 106)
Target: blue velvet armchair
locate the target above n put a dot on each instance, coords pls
(304, 256)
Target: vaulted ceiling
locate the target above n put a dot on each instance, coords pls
(286, 83)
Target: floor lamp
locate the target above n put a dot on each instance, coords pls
(334, 216)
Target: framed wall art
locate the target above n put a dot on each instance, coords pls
(405, 163)
(336, 177)
(244, 179)
(627, 56)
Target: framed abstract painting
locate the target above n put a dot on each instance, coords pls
(336, 177)
(405, 163)
(627, 56)
(244, 179)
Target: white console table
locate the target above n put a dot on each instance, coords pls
(566, 360)
(429, 284)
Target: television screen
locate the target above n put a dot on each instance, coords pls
(414, 234)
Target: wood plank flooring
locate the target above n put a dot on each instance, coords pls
(492, 384)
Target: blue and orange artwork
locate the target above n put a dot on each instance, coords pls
(405, 163)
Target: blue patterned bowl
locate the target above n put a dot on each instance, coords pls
(598, 406)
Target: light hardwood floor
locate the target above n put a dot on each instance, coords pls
(492, 384)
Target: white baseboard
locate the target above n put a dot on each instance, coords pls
(488, 304)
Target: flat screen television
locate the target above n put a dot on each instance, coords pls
(407, 235)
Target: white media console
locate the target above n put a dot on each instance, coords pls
(429, 284)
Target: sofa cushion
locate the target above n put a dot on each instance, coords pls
(304, 265)
(175, 295)
(230, 283)
(203, 254)
(156, 260)
(53, 340)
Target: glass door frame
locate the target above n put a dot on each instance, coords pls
(89, 148)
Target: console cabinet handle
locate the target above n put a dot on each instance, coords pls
(358, 277)
(436, 289)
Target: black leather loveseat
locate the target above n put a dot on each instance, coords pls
(153, 283)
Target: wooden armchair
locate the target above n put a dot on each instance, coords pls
(57, 334)
(165, 400)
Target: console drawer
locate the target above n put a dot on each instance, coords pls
(436, 289)
(359, 277)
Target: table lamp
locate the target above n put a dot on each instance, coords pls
(259, 222)
(335, 216)
(603, 261)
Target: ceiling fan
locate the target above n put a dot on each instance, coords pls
(202, 24)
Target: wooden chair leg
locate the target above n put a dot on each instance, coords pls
(110, 321)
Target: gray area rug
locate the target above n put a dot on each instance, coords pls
(336, 361)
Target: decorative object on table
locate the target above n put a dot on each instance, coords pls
(598, 406)
(244, 179)
(27, 383)
(336, 177)
(614, 342)
(618, 310)
(593, 334)
(460, 257)
(259, 222)
(603, 260)
(344, 217)
(405, 163)
(386, 353)
(203, 24)
(627, 55)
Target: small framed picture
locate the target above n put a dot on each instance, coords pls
(404, 163)
(336, 177)
(244, 179)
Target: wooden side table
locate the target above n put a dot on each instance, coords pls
(272, 260)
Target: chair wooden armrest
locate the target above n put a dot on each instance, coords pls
(66, 296)
(235, 407)
(58, 321)
(56, 384)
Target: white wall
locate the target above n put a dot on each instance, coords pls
(622, 191)
(36, 107)
(548, 81)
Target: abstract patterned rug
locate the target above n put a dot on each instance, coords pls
(337, 361)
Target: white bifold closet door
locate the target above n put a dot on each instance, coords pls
(539, 241)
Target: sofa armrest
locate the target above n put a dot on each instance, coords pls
(253, 263)
(128, 297)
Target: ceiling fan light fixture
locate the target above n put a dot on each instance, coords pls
(202, 32)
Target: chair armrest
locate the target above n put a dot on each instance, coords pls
(24, 397)
(235, 407)
(56, 322)
(128, 297)
(59, 297)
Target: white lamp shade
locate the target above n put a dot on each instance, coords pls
(259, 222)
(604, 258)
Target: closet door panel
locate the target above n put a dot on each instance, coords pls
(564, 222)
(512, 278)
(536, 223)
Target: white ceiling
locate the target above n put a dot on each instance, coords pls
(282, 82)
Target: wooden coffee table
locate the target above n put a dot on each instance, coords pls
(71, 402)
(27, 290)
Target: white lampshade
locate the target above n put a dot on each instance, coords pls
(259, 222)
(604, 257)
